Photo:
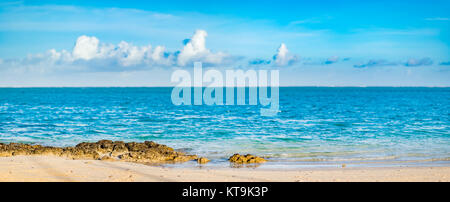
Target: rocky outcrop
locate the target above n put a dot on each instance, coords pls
(237, 158)
(145, 152)
(202, 160)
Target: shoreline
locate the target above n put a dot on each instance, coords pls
(117, 161)
(25, 168)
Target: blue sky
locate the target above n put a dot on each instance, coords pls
(135, 43)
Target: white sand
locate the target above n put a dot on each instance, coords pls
(49, 168)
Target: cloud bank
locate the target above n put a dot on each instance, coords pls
(195, 50)
(332, 60)
(282, 58)
(419, 62)
(412, 62)
(89, 53)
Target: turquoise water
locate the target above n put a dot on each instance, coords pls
(315, 124)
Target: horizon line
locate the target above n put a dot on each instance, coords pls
(332, 86)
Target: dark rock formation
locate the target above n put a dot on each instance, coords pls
(146, 152)
(202, 160)
(237, 158)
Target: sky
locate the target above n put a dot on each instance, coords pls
(136, 43)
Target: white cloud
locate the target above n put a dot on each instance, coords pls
(89, 53)
(195, 49)
(89, 48)
(283, 57)
(85, 48)
(130, 55)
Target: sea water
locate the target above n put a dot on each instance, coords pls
(315, 125)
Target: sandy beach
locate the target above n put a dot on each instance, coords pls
(51, 168)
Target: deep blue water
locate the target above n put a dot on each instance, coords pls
(315, 124)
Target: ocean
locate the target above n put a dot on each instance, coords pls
(316, 126)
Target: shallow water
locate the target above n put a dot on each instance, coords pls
(315, 125)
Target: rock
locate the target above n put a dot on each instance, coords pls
(80, 153)
(107, 158)
(147, 151)
(125, 157)
(202, 160)
(47, 151)
(237, 158)
(119, 148)
(4, 152)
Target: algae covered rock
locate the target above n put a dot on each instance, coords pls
(40, 150)
(237, 158)
(202, 160)
(147, 151)
(4, 152)
(107, 158)
(79, 153)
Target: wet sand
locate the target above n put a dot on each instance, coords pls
(52, 168)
